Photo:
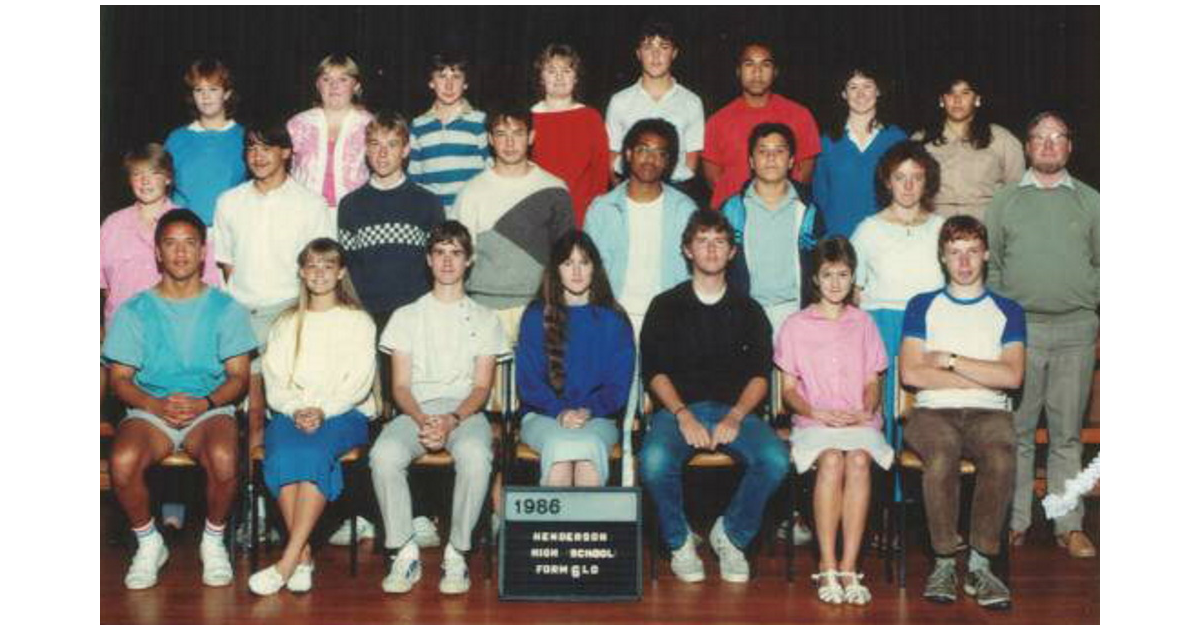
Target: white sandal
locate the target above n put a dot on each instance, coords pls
(855, 592)
(829, 589)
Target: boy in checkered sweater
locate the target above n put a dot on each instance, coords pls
(385, 224)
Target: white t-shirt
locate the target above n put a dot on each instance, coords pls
(261, 235)
(443, 339)
(679, 106)
(643, 274)
(896, 262)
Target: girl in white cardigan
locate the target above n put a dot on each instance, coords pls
(319, 370)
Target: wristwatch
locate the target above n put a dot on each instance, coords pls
(950, 363)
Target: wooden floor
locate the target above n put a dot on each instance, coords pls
(1048, 587)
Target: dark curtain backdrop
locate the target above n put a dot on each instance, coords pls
(1025, 58)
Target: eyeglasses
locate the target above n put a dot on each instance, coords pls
(1052, 138)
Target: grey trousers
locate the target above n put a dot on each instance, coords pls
(1059, 361)
(397, 446)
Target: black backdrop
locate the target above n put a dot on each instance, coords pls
(1026, 58)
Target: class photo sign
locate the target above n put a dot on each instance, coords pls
(571, 544)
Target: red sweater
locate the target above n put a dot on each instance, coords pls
(573, 145)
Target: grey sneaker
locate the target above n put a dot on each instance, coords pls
(987, 589)
(455, 578)
(685, 564)
(734, 567)
(942, 585)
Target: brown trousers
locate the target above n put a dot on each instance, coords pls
(942, 437)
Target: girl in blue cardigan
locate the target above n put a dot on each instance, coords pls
(575, 361)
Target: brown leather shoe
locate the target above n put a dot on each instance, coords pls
(1016, 538)
(1078, 544)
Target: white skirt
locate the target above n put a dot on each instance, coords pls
(808, 444)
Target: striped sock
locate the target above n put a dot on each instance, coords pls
(216, 531)
(145, 531)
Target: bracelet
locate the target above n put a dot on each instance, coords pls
(457, 418)
(211, 405)
(679, 410)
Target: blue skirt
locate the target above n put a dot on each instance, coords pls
(891, 328)
(294, 456)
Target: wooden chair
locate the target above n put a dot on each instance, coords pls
(501, 407)
(352, 461)
(176, 460)
(720, 460)
(908, 460)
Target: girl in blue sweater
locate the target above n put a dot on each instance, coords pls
(575, 362)
(844, 178)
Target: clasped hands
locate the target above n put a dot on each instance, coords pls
(697, 436)
(178, 409)
(841, 417)
(574, 418)
(434, 429)
(308, 419)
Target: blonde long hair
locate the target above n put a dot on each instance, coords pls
(344, 293)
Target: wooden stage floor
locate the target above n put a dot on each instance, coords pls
(1048, 587)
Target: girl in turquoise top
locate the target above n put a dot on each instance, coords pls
(208, 152)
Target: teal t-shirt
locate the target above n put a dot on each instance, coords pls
(179, 345)
(772, 253)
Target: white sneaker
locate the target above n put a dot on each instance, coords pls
(301, 580)
(151, 555)
(341, 538)
(214, 557)
(685, 564)
(425, 533)
(266, 582)
(734, 567)
(405, 572)
(455, 579)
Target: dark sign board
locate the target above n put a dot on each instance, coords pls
(571, 544)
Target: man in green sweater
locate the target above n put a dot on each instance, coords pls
(1045, 243)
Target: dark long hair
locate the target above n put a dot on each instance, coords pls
(554, 309)
(836, 125)
(979, 132)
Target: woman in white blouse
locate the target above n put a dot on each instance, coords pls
(319, 370)
(897, 249)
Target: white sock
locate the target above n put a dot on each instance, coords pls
(215, 533)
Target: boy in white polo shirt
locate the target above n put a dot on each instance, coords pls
(963, 349)
(261, 226)
(444, 349)
(657, 94)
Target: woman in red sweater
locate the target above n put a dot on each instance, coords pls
(569, 139)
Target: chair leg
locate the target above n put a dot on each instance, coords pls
(789, 547)
(351, 496)
(253, 518)
(652, 537)
(901, 534)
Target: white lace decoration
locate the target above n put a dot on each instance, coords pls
(1057, 505)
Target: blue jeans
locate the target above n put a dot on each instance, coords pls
(664, 453)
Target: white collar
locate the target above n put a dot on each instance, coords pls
(196, 126)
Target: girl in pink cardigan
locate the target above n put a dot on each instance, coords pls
(329, 141)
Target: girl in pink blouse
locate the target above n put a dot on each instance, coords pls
(329, 141)
(832, 356)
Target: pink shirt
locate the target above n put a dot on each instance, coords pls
(832, 360)
(127, 262)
